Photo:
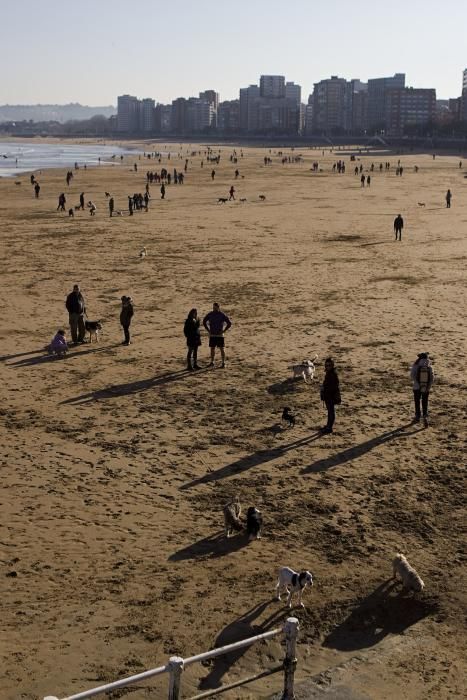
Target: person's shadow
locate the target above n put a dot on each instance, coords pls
(48, 357)
(131, 387)
(359, 450)
(385, 611)
(244, 463)
(239, 629)
(217, 545)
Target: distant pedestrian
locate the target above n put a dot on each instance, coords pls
(422, 377)
(76, 308)
(126, 314)
(162, 191)
(92, 208)
(216, 323)
(193, 339)
(61, 202)
(368, 181)
(130, 205)
(448, 199)
(81, 201)
(232, 193)
(398, 226)
(330, 394)
(37, 189)
(111, 206)
(213, 174)
(362, 180)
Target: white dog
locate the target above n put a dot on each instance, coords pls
(143, 252)
(293, 582)
(410, 578)
(306, 369)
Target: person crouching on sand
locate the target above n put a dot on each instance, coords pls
(59, 346)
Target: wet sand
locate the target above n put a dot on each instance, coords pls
(117, 462)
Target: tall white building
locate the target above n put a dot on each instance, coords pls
(128, 114)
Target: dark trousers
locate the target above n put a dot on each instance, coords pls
(423, 396)
(331, 414)
(192, 352)
(398, 231)
(126, 331)
(77, 327)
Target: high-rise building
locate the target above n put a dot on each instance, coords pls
(200, 114)
(377, 95)
(128, 114)
(358, 106)
(407, 107)
(147, 115)
(464, 80)
(272, 86)
(332, 106)
(228, 116)
(293, 92)
(178, 116)
(162, 117)
(212, 97)
(248, 97)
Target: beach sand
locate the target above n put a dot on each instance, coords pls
(117, 462)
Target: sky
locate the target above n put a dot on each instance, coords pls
(91, 51)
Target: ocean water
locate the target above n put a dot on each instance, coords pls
(18, 157)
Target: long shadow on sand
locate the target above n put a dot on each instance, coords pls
(44, 358)
(131, 387)
(240, 629)
(383, 612)
(359, 450)
(3, 358)
(213, 546)
(244, 463)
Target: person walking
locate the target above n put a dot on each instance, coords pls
(111, 206)
(216, 324)
(130, 205)
(232, 193)
(126, 314)
(81, 201)
(162, 191)
(362, 180)
(448, 199)
(330, 394)
(37, 189)
(76, 308)
(398, 226)
(193, 339)
(61, 202)
(422, 377)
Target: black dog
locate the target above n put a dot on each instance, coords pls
(222, 200)
(93, 328)
(254, 523)
(288, 417)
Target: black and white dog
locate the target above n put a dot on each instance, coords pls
(292, 582)
(93, 328)
(254, 523)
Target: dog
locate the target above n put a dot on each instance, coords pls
(262, 197)
(232, 512)
(243, 199)
(408, 575)
(222, 200)
(71, 213)
(288, 417)
(93, 328)
(77, 207)
(421, 204)
(254, 523)
(306, 370)
(293, 582)
(143, 253)
(107, 194)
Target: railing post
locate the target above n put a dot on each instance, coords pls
(291, 628)
(175, 670)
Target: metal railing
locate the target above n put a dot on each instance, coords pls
(177, 664)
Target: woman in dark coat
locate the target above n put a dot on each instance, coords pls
(330, 393)
(126, 314)
(193, 339)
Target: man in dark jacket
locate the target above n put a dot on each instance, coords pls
(398, 226)
(126, 314)
(76, 310)
(330, 393)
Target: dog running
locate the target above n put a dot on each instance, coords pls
(222, 200)
(306, 370)
(293, 582)
(93, 328)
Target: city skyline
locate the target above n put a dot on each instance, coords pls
(94, 51)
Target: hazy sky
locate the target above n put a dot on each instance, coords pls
(90, 51)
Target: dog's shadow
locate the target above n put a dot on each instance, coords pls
(214, 546)
(385, 611)
(288, 386)
(241, 628)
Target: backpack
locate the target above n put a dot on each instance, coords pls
(423, 378)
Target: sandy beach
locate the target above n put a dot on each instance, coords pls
(117, 462)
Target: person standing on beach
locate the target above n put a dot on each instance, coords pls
(61, 202)
(330, 394)
(76, 308)
(111, 206)
(232, 193)
(81, 201)
(216, 324)
(398, 226)
(193, 339)
(362, 180)
(126, 314)
(130, 205)
(448, 199)
(213, 174)
(37, 189)
(162, 191)
(422, 377)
